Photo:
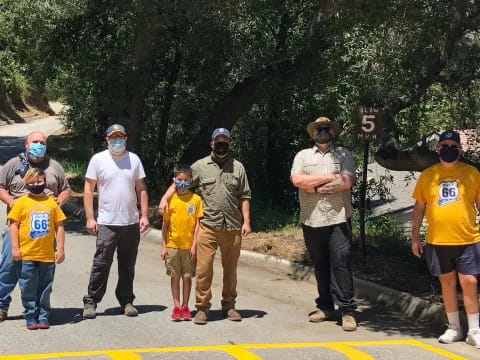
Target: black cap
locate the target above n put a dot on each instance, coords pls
(449, 135)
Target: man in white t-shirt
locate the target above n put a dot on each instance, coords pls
(118, 175)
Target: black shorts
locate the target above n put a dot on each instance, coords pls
(442, 259)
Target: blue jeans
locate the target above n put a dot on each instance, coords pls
(35, 280)
(8, 273)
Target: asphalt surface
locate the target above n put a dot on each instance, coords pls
(274, 308)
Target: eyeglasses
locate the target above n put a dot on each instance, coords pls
(39, 142)
(323, 128)
(452, 147)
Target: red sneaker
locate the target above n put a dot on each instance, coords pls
(186, 313)
(176, 314)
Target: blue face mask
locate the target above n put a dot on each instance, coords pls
(182, 186)
(37, 150)
(118, 146)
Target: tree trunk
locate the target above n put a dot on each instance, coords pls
(390, 154)
(251, 89)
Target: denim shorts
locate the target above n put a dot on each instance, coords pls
(442, 259)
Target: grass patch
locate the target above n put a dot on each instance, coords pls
(73, 153)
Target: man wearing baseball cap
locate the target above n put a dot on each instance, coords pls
(447, 194)
(324, 175)
(119, 177)
(222, 183)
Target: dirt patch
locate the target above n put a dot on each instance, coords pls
(35, 105)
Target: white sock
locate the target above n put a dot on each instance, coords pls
(454, 319)
(473, 320)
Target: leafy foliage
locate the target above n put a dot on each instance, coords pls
(171, 71)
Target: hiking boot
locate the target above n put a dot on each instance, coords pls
(89, 311)
(3, 315)
(200, 318)
(186, 315)
(451, 335)
(318, 316)
(348, 321)
(473, 338)
(176, 314)
(130, 310)
(232, 315)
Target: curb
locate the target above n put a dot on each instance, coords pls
(406, 304)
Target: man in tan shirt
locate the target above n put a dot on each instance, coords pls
(222, 183)
(324, 175)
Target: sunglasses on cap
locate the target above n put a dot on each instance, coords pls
(445, 146)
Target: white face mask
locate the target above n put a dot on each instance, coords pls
(117, 146)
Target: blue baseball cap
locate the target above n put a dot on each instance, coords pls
(449, 135)
(221, 131)
(116, 128)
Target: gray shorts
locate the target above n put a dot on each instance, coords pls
(442, 259)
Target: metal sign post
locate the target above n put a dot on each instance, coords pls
(368, 128)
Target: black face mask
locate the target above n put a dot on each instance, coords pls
(449, 154)
(35, 189)
(323, 136)
(221, 147)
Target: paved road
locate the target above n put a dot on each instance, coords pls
(275, 323)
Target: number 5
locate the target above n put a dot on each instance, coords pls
(368, 124)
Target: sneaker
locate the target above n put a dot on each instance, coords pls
(473, 338)
(186, 315)
(130, 310)
(451, 335)
(200, 318)
(176, 314)
(3, 315)
(32, 324)
(349, 323)
(89, 311)
(232, 315)
(318, 316)
(43, 324)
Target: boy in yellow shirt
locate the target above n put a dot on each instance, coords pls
(179, 236)
(35, 221)
(447, 193)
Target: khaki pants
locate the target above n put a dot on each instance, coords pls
(208, 241)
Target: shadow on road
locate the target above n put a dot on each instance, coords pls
(142, 309)
(62, 316)
(10, 146)
(378, 318)
(216, 315)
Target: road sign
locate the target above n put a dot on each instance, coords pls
(368, 124)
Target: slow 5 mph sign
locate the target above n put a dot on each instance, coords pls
(368, 124)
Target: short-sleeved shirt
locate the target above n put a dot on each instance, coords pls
(37, 217)
(11, 181)
(183, 212)
(318, 210)
(116, 177)
(450, 193)
(222, 188)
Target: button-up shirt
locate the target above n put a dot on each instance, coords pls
(316, 209)
(222, 188)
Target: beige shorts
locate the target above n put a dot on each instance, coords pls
(178, 263)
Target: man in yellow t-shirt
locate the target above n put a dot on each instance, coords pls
(179, 239)
(35, 221)
(447, 194)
